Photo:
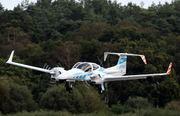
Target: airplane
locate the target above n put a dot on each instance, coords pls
(92, 73)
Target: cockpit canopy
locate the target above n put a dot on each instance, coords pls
(86, 67)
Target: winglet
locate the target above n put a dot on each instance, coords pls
(105, 55)
(10, 58)
(144, 59)
(169, 69)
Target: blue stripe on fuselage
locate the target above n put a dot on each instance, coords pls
(81, 76)
(101, 69)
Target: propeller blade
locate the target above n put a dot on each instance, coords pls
(52, 83)
(44, 65)
(86, 85)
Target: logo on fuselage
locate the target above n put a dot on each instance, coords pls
(120, 66)
(122, 60)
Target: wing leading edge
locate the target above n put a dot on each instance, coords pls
(133, 77)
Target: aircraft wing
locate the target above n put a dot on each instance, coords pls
(27, 66)
(133, 77)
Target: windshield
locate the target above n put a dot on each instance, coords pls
(76, 65)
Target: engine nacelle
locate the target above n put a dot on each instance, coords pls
(58, 71)
(96, 79)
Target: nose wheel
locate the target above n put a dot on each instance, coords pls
(70, 90)
(69, 87)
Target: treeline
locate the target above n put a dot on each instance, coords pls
(66, 31)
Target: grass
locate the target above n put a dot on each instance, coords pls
(141, 112)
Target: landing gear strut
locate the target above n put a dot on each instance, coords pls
(69, 87)
(100, 90)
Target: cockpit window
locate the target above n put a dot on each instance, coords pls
(95, 66)
(83, 66)
(86, 67)
(80, 66)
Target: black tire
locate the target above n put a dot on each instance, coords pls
(70, 90)
(101, 91)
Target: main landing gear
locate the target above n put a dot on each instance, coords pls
(69, 87)
(101, 91)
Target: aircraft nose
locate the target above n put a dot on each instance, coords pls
(62, 76)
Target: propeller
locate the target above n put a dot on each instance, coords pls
(91, 80)
(46, 66)
(57, 71)
(52, 81)
(87, 82)
(86, 85)
(59, 64)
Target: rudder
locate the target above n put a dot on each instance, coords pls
(121, 65)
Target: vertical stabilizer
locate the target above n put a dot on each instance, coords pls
(121, 65)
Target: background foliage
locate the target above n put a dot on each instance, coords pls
(67, 31)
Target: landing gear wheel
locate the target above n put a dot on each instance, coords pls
(69, 87)
(70, 90)
(101, 91)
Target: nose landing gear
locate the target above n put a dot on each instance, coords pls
(69, 87)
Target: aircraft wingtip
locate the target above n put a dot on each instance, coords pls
(105, 55)
(10, 58)
(144, 59)
(169, 68)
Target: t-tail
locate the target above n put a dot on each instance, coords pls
(120, 68)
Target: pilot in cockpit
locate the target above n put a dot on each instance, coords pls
(86, 68)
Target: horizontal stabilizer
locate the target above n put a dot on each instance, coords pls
(125, 54)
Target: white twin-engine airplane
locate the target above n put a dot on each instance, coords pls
(92, 73)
